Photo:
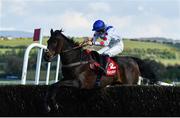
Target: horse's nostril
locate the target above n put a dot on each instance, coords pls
(48, 56)
(47, 50)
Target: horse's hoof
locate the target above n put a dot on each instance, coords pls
(108, 86)
(47, 108)
(56, 106)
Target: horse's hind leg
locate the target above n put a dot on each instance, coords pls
(132, 73)
(119, 77)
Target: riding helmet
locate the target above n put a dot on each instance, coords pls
(98, 25)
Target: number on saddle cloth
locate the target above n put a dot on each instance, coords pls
(112, 67)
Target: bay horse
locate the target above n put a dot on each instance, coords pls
(76, 66)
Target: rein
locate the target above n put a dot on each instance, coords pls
(72, 49)
(79, 46)
(76, 63)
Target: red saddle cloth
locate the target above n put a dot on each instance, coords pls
(112, 67)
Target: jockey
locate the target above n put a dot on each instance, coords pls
(112, 43)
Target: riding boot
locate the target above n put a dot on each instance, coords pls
(106, 61)
(102, 61)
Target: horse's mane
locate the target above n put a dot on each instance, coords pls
(69, 39)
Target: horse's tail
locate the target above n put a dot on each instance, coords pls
(146, 69)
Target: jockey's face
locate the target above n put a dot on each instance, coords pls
(102, 31)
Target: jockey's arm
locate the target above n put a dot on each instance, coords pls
(105, 42)
(86, 41)
(112, 34)
(101, 43)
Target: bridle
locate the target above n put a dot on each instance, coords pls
(83, 44)
(75, 63)
(79, 46)
(68, 50)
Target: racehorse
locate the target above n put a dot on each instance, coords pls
(79, 66)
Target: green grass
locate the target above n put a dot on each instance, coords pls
(19, 42)
(16, 42)
(4, 50)
(169, 61)
(146, 45)
(9, 45)
(128, 44)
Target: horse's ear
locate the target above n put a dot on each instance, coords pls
(61, 30)
(51, 31)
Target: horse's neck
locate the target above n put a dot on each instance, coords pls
(71, 56)
(67, 46)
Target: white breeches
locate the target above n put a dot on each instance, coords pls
(112, 51)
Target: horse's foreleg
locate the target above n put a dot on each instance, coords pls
(49, 100)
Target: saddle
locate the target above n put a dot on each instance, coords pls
(108, 65)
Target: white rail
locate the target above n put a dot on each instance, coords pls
(164, 83)
(38, 66)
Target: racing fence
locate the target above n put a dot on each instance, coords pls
(38, 37)
(38, 65)
(113, 101)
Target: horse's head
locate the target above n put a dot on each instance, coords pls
(54, 44)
